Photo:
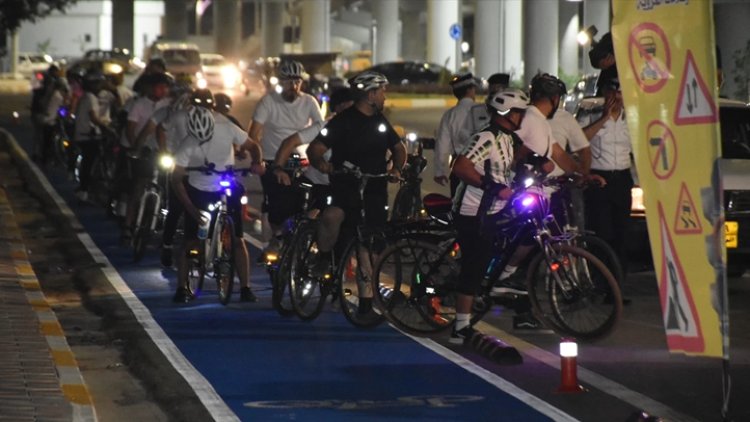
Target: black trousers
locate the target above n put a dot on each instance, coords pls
(608, 210)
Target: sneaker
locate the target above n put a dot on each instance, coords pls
(512, 285)
(247, 295)
(166, 256)
(183, 295)
(526, 322)
(463, 335)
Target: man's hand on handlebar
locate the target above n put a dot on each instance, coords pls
(258, 168)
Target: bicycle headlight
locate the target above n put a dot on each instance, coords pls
(243, 200)
(166, 162)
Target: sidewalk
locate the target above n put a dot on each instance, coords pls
(40, 376)
(11, 85)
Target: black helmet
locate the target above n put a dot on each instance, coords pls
(203, 98)
(160, 78)
(92, 80)
(223, 102)
(544, 85)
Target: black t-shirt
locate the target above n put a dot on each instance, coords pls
(361, 140)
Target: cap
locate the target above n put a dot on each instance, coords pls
(463, 80)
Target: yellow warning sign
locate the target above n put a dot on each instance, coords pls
(666, 63)
(686, 219)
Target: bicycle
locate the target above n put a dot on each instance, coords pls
(216, 253)
(416, 281)
(152, 208)
(349, 279)
(407, 205)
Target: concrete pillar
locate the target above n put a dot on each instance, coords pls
(413, 34)
(385, 14)
(595, 12)
(488, 35)
(540, 30)
(441, 48)
(175, 20)
(273, 28)
(14, 53)
(315, 30)
(122, 24)
(570, 59)
(227, 30)
(731, 41)
(511, 41)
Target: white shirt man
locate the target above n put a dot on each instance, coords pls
(568, 133)
(281, 118)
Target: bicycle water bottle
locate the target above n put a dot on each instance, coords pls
(204, 224)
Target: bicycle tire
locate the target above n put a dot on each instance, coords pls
(142, 232)
(224, 268)
(353, 281)
(415, 284)
(573, 293)
(280, 293)
(196, 271)
(602, 250)
(307, 293)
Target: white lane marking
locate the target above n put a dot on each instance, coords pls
(591, 378)
(502, 384)
(202, 388)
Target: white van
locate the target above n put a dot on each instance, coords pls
(182, 59)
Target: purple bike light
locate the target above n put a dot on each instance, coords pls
(224, 183)
(527, 201)
(62, 112)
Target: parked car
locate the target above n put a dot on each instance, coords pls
(182, 59)
(220, 73)
(128, 63)
(734, 117)
(31, 64)
(410, 72)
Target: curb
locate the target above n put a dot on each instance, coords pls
(71, 381)
(421, 102)
(13, 86)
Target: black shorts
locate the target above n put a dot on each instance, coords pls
(476, 251)
(201, 199)
(279, 201)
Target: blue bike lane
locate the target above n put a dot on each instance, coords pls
(266, 367)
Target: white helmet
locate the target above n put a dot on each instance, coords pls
(201, 123)
(368, 80)
(505, 101)
(291, 70)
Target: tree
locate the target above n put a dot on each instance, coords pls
(14, 12)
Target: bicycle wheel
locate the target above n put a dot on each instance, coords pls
(307, 292)
(196, 269)
(142, 232)
(406, 205)
(280, 297)
(604, 252)
(224, 269)
(415, 283)
(353, 275)
(573, 292)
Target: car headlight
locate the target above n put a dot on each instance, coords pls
(230, 76)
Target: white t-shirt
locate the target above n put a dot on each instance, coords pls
(106, 100)
(536, 133)
(499, 150)
(141, 112)
(218, 151)
(85, 129)
(173, 120)
(567, 132)
(281, 119)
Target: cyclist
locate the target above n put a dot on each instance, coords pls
(451, 137)
(223, 105)
(496, 144)
(142, 166)
(88, 129)
(211, 140)
(478, 117)
(277, 116)
(360, 135)
(341, 99)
